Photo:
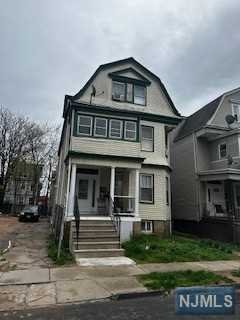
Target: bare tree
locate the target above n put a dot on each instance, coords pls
(13, 145)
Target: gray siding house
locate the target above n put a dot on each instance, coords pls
(205, 158)
(114, 158)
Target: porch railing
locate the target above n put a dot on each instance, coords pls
(116, 219)
(124, 204)
(77, 218)
(232, 213)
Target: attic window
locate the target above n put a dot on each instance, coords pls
(129, 92)
(236, 111)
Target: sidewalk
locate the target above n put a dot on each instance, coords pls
(42, 287)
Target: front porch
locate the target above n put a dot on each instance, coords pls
(221, 199)
(103, 191)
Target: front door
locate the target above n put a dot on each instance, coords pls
(215, 199)
(87, 193)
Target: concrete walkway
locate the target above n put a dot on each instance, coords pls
(41, 287)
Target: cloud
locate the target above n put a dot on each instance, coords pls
(51, 48)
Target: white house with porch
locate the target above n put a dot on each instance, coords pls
(113, 172)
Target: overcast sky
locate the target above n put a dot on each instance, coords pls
(50, 48)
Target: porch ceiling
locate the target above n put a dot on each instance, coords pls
(223, 174)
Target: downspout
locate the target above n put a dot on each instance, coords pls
(196, 177)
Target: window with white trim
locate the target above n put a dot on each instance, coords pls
(222, 150)
(146, 188)
(130, 130)
(118, 91)
(128, 92)
(115, 129)
(100, 127)
(147, 226)
(236, 111)
(147, 138)
(84, 125)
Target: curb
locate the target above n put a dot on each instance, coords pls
(133, 295)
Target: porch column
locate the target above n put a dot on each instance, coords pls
(72, 190)
(137, 193)
(112, 187)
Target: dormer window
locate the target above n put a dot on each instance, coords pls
(236, 111)
(129, 92)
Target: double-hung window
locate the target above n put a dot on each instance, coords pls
(84, 125)
(129, 92)
(139, 95)
(130, 130)
(222, 150)
(116, 129)
(236, 111)
(100, 127)
(146, 188)
(118, 91)
(147, 138)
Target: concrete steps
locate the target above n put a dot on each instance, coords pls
(98, 253)
(97, 239)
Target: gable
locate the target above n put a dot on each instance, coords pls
(129, 73)
(225, 108)
(158, 100)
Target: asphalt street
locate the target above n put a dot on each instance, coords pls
(148, 308)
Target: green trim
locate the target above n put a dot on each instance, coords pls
(123, 79)
(159, 166)
(102, 156)
(119, 72)
(126, 113)
(76, 134)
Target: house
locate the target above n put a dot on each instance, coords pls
(114, 157)
(205, 157)
(23, 187)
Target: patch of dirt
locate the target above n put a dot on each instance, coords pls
(29, 243)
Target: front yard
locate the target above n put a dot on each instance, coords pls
(171, 280)
(152, 249)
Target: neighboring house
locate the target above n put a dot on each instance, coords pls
(113, 155)
(23, 187)
(205, 158)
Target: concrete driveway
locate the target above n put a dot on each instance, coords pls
(29, 242)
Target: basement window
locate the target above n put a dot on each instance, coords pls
(147, 226)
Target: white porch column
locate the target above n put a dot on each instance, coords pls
(112, 187)
(137, 193)
(72, 190)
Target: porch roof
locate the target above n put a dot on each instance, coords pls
(220, 174)
(104, 159)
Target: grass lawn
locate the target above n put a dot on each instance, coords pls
(171, 280)
(152, 249)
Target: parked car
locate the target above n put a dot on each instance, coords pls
(29, 213)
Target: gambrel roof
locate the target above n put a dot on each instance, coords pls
(139, 66)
